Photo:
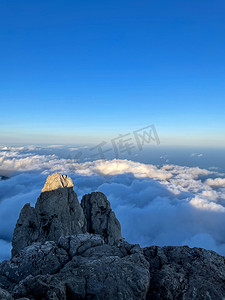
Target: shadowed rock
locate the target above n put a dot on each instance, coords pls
(184, 273)
(4, 295)
(77, 267)
(56, 213)
(100, 217)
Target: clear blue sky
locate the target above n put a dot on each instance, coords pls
(91, 69)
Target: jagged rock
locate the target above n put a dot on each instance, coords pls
(181, 273)
(56, 213)
(78, 267)
(34, 260)
(100, 217)
(106, 276)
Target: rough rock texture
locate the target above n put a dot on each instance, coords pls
(57, 181)
(78, 267)
(56, 213)
(180, 273)
(33, 260)
(55, 258)
(85, 267)
(100, 217)
(4, 295)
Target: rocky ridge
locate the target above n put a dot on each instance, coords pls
(64, 250)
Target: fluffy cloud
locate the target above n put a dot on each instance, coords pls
(168, 205)
(217, 182)
(206, 204)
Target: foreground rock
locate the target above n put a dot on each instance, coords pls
(85, 267)
(77, 267)
(184, 273)
(100, 218)
(56, 213)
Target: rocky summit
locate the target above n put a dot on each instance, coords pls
(66, 250)
(56, 213)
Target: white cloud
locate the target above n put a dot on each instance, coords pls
(196, 155)
(206, 204)
(217, 182)
(213, 168)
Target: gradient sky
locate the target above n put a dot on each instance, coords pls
(83, 70)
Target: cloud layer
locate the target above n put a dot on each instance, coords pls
(167, 205)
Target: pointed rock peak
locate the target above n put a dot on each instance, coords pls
(100, 217)
(57, 181)
(57, 212)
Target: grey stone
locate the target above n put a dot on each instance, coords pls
(107, 277)
(181, 273)
(95, 271)
(37, 259)
(100, 217)
(44, 287)
(78, 244)
(56, 213)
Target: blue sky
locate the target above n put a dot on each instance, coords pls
(85, 70)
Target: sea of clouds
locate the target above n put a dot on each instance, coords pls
(156, 205)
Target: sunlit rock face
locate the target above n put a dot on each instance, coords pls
(56, 213)
(57, 181)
